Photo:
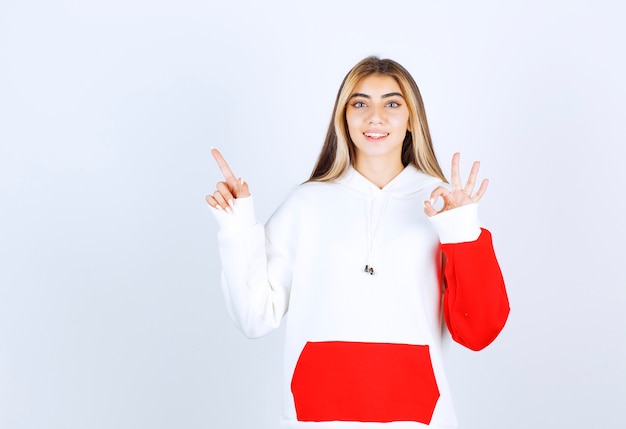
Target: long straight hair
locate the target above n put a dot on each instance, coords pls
(338, 151)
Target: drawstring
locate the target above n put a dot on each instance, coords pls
(373, 234)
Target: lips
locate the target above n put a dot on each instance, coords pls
(375, 135)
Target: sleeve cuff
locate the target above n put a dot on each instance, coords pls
(242, 218)
(458, 225)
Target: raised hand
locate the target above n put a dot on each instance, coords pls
(458, 196)
(228, 190)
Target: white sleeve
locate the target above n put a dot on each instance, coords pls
(255, 299)
(458, 225)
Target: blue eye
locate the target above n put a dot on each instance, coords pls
(393, 104)
(358, 104)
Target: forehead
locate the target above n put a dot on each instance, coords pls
(377, 85)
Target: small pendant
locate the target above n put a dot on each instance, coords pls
(369, 270)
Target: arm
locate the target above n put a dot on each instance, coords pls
(475, 303)
(255, 290)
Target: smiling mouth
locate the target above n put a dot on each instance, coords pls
(376, 135)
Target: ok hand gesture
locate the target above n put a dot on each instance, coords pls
(458, 196)
(228, 190)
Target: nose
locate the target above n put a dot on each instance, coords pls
(376, 116)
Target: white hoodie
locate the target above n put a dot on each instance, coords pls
(359, 269)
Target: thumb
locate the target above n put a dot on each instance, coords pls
(242, 190)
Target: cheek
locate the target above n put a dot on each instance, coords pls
(402, 122)
(352, 124)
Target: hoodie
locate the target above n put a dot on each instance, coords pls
(372, 288)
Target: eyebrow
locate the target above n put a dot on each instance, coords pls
(391, 94)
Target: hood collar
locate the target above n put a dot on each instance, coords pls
(408, 182)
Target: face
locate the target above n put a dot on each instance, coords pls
(378, 119)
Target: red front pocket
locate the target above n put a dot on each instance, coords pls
(365, 382)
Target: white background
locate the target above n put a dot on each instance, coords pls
(110, 310)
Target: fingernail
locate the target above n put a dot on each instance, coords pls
(228, 210)
(231, 203)
(218, 207)
(241, 181)
(432, 201)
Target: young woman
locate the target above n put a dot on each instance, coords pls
(373, 276)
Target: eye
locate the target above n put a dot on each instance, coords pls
(358, 104)
(393, 104)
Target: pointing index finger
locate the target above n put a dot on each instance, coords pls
(223, 165)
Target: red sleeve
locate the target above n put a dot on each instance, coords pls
(475, 303)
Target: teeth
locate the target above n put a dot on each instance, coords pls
(375, 135)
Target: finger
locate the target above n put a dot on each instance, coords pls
(224, 189)
(455, 171)
(211, 201)
(439, 191)
(224, 168)
(222, 202)
(481, 190)
(429, 209)
(471, 180)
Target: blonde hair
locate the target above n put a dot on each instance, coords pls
(338, 150)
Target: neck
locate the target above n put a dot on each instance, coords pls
(379, 173)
